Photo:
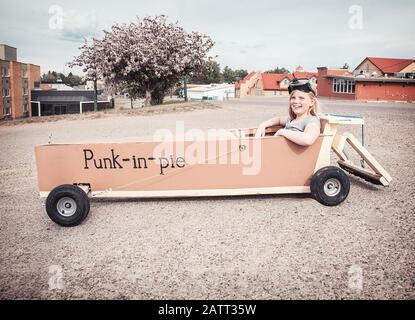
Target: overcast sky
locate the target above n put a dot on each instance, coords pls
(254, 35)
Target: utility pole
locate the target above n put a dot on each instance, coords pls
(95, 96)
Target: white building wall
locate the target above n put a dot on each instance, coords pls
(212, 92)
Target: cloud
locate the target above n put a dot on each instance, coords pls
(76, 27)
(279, 34)
(256, 46)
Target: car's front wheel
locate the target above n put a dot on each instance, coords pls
(67, 205)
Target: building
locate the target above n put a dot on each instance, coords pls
(249, 86)
(211, 92)
(56, 102)
(267, 84)
(386, 67)
(277, 84)
(335, 83)
(55, 86)
(342, 84)
(16, 82)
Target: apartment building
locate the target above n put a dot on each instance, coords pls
(16, 82)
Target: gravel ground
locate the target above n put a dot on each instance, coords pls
(260, 247)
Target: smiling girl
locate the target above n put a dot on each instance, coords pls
(302, 126)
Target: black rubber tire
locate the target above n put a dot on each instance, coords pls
(77, 195)
(325, 175)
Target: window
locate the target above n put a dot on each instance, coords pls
(4, 71)
(343, 86)
(25, 107)
(6, 92)
(24, 71)
(24, 91)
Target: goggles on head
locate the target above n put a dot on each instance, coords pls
(303, 85)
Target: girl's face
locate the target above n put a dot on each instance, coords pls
(300, 103)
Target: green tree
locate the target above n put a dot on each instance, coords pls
(73, 80)
(228, 75)
(210, 74)
(214, 74)
(61, 77)
(50, 77)
(55, 77)
(278, 70)
(240, 74)
(232, 76)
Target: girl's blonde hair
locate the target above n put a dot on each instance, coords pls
(314, 109)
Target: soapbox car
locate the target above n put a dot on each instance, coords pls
(70, 174)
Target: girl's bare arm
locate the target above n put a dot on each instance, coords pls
(306, 138)
(276, 121)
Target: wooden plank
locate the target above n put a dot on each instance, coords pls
(370, 160)
(340, 120)
(323, 159)
(195, 193)
(338, 146)
(362, 173)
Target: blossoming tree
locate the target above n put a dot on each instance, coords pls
(144, 56)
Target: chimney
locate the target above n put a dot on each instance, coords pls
(322, 71)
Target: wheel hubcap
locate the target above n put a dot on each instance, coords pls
(66, 206)
(332, 187)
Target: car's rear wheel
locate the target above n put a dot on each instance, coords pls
(330, 186)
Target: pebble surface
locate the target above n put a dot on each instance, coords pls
(260, 247)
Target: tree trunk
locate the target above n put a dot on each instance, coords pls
(185, 88)
(147, 102)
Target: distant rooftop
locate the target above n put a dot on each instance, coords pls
(390, 65)
(8, 53)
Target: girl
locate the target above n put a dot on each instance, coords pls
(302, 126)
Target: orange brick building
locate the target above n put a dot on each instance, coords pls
(378, 79)
(16, 82)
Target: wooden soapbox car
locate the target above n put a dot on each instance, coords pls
(70, 174)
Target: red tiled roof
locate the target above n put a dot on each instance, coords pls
(271, 81)
(390, 65)
(306, 75)
(339, 72)
(249, 76)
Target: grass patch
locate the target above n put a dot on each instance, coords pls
(170, 107)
